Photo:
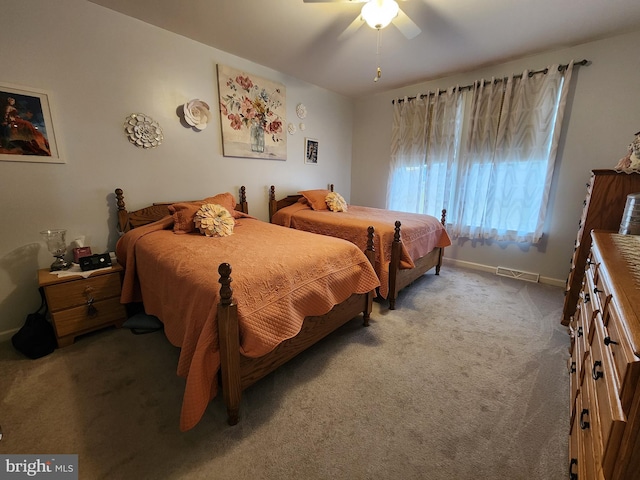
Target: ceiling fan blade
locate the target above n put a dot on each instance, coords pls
(407, 26)
(334, 1)
(351, 29)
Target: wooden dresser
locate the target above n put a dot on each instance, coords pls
(607, 192)
(604, 441)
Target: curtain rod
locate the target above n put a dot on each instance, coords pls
(470, 86)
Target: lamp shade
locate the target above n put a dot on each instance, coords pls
(379, 13)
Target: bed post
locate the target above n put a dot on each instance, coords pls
(123, 215)
(244, 207)
(229, 338)
(394, 266)
(443, 221)
(370, 252)
(273, 205)
(331, 187)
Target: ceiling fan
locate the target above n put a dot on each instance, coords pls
(378, 14)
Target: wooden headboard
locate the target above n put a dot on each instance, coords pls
(275, 205)
(128, 220)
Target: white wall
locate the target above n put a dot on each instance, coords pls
(603, 114)
(99, 67)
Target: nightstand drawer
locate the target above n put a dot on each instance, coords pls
(77, 293)
(77, 320)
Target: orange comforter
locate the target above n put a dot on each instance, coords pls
(420, 233)
(279, 277)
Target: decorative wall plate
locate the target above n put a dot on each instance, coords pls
(291, 128)
(301, 110)
(143, 131)
(302, 127)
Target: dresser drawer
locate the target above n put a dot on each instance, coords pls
(574, 371)
(591, 297)
(576, 466)
(586, 427)
(611, 418)
(587, 313)
(76, 293)
(626, 363)
(77, 320)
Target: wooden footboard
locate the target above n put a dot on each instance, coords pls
(400, 278)
(239, 372)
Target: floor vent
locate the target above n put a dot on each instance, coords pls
(518, 274)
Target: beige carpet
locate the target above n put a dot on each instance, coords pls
(466, 380)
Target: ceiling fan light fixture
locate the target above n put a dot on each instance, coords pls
(379, 13)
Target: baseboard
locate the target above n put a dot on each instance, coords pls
(7, 334)
(491, 269)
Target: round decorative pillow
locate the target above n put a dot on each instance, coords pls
(214, 220)
(335, 202)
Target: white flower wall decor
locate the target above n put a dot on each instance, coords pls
(143, 131)
(196, 114)
(301, 110)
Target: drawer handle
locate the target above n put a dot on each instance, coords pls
(584, 425)
(587, 298)
(595, 290)
(92, 311)
(596, 374)
(580, 332)
(572, 369)
(608, 341)
(572, 474)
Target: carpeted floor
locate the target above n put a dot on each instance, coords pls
(465, 380)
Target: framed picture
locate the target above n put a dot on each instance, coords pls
(27, 132)
(252, 115)
(311, 151)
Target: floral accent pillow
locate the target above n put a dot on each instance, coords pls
(183, 213)
(335, 202)
(214, 220)
(316, 198)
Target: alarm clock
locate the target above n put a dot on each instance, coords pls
(92, 262)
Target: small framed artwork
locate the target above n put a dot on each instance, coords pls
(311, 151)
(27, 132)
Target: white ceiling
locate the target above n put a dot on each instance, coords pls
(301, 39)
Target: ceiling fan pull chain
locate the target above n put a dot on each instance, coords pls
(378, 71)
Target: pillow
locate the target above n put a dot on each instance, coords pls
(316, 198)
(214, 220)
(184, 213)
(227, 200)
(336, 203)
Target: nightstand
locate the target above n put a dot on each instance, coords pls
(79, 305)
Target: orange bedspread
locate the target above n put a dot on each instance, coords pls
(419, 233)
(279, 277)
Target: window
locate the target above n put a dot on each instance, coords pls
(486, 155)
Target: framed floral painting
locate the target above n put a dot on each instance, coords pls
(26, 126)
(252, 115)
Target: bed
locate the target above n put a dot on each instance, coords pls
(400, 258)
(287, 292)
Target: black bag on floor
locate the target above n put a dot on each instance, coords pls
(36, 338)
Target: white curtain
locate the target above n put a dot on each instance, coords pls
(506, 168)
(425, 142)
